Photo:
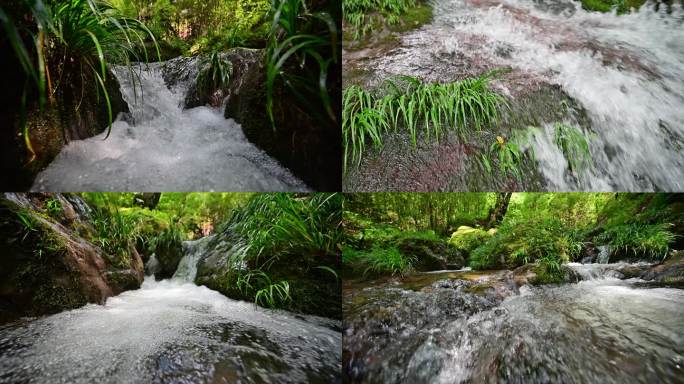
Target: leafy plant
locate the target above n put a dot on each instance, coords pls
(215, 74)
(266, 292)
(509, 158)
(574, 145)
(308, 39)
(647, 240)
(53, 206)
(74, 40)
(463, 107)
(378, 260)
(365, 15)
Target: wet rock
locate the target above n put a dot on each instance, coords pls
(669, 273)
(312, 289)
(431, 255)
(78, 111)
(50, 263)
(298, 141)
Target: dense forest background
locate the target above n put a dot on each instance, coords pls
(398, 233)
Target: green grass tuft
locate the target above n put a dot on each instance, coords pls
(433, 108)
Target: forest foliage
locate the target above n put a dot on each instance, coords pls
(548, 229)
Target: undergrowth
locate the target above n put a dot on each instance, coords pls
(366, 15)
(639, 240)
(431, 108)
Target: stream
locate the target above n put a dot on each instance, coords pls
(445, 330)
(159, 146)
(626, 74)
(171, 331)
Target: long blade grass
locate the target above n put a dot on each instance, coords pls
(432, 108)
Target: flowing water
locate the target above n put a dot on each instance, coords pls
(170, 331)
(598, 330)
(162, 147)
(627, 72)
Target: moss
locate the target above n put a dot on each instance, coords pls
(623, 6)
(413, 18)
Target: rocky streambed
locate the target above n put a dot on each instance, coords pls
(616, 78)
(616, 323)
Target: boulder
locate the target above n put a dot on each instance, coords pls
(50, 264)
(431, 255)
(669, 273)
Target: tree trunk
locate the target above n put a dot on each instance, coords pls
(496, 214)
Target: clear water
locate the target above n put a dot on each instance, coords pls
(162, 147)
(170, 331)
(600, 330)
(626, 71)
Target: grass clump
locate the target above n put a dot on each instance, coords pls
(378, 260)
(115, 233)
(574, 145)
(651, 241)
(364, 16)
(72, 42)
(215, 74)
(620, 6)
(280, 240)
(432, 108)
(301, 50)
(519, 242)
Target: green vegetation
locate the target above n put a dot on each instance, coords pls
(282, 246)
(574, 146)
(215, 74)
(463, 107)
(495, 231)
(641, 240)
(302, 49)
(468, 238)
(379, 260)
(620, 6)
(73, 43)
(366, 16)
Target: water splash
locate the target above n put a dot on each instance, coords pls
(170, 331)
(161, 147)
(627, 72)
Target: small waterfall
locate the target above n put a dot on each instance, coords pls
(597, 271)
(604, 254)
(187, 267)
(160, 146)
(152, 266)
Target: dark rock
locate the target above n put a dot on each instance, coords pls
(669, 273)
(312, 289)
(79, 111)
(168, 256)
(310, 149)
(428, 255)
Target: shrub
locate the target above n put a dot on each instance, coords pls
(377, 260)
(519, 242)
(639, 240)
(468, 238)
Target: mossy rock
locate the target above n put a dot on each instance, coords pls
(430, 255)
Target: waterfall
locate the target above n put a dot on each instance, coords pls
(193, 251)
(159, 146)
(604, 254)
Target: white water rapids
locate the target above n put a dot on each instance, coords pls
(170, 331)
(165, 148)
(626, 71)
